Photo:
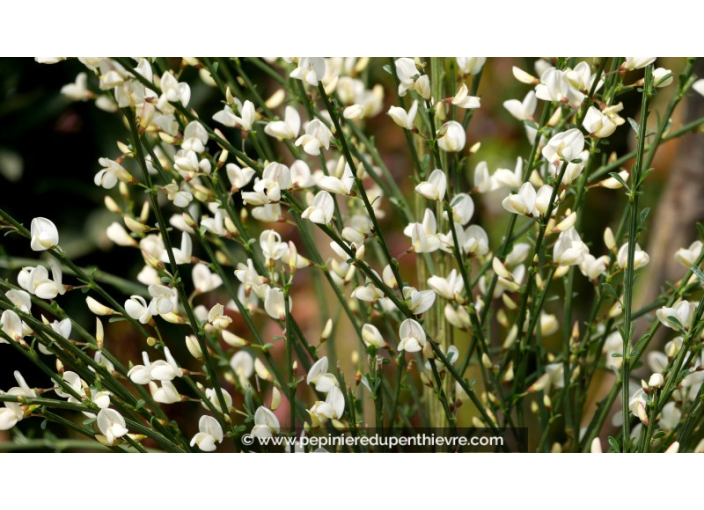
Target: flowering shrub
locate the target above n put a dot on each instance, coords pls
(274, 191)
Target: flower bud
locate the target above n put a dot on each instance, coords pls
(609, 239)
(500, 269)
(98, 308)
(422, 86)
(135, 226)
(194, 347)
(275, 398)
(327, 331)
(656, 381)
(233, 340)
(354, 112)
(540, 384)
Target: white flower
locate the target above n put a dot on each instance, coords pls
(274, 303)
(242, 364)
(322, 209)
(682, 311)
(271, 245)
(332, 408)
(44, 234)
(463, 100)
(566, 252)
(688, 256)
(179, 197)
(662, 77)
(451, 137)
(482, 181)
(20, 299)
(462, 208)
(412, 336)
(418, 301)
(564, 146)
(164, 394)
(368, 293)
(310, 70)
(245, 122)
(640, 258)
(554, 86)
(300, 175)
(434, 188)
(592, 267)
(470, 65)
(372, 336)
(36, 281)
(598, 124)
(187, 163)
(341, 185)
(450, 287)
(424, 238)
(194, 137)
(402, 117)
(522, 202)
(209, 433)
(217, 318)
(212, 395)
(475, 241)
(11, 325)
(319, 376)
(407, 72)
(204, 280)
(172, 91)
(632, 63)
(505, 178)
(112, 425)
(670, 417)
(316, 135)
(111, 173)
(78, 90)
(138, 309)
(248, 275)
(265, 423)
(163, 299)
(286, 129)
(522, 110)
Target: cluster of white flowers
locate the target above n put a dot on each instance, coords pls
(253, 216)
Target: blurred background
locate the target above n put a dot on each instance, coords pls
(49, 150)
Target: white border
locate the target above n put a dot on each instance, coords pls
(361, 27)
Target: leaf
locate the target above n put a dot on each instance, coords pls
(140, 404)
(365, 382)
(644, 214)
(610, 291)
(456, 201)
(634, 125)
(616, 176)
(675, 322)
(700, 229)
(614, 443)
(387, 68)
(698, 272)
(645, 174)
